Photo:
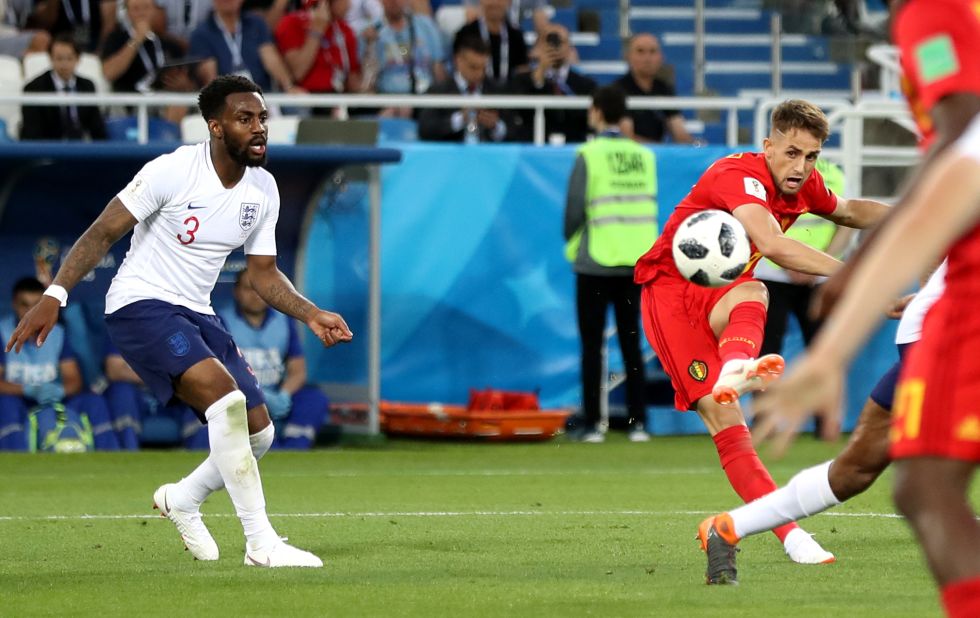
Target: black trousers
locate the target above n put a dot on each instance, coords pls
(786, 299)
(593, 296)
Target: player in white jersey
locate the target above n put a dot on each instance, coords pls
(821, 487)
(188, 211)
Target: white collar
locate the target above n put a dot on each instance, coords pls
(463, 86)
(60, 84)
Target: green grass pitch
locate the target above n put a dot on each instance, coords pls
(443, 529)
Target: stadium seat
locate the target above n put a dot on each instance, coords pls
(35, 63)
(90, 67)
(124, 130)
(193, 129)
(397, 130)
(282, 129)
(450, 19)
(11, 80)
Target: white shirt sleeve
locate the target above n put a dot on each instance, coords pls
(968, 144)
(149, 190)
(263, 239)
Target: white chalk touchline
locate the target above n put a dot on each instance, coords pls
(363, 514)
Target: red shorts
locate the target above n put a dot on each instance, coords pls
(675, 320)
(937, 401)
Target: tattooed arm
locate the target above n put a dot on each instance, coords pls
(278, 291)
(114, 222)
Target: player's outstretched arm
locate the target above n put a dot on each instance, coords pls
(941, 209)
(858, 213)
(114, 222)
(276, 289)
(951, 116)
(781, 249)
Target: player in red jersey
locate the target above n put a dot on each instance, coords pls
(938, 41)
(708, 339)
(933, 433)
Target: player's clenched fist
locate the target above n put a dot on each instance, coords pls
(330, 328)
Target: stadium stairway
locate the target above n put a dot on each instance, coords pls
(738, 51)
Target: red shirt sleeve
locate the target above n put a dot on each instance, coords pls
(820, 200)
(732, 186)
(290, 33)
(939, 42)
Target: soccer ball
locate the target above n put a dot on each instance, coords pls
(711, 248)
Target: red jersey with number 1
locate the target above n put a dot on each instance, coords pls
(738, 179)
(939, 42)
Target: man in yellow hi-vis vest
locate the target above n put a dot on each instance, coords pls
(610, 221)
(790, 292)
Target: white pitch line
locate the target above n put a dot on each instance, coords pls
(404, 473)
(378, 514)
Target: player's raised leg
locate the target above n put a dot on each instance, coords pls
(820, 487)
(812, 491)
(739, 322)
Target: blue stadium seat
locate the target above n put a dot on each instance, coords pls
(397, 130)
(124, 130)
(608, 48)
(3, 132)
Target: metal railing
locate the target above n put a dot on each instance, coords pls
(847, 118)
(343, 103)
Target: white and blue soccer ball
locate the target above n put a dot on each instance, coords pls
(711, 248)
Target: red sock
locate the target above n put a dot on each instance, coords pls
(961, 599)
(743, 335)
(745, 471)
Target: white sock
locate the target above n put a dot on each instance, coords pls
(197, 486)
(806, 494)
(232, 455)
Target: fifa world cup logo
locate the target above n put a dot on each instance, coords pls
(46, 252)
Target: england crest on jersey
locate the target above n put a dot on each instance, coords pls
(248, 215)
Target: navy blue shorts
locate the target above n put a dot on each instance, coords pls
(883, 393)
(161, 341)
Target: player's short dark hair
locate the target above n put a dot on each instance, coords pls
(800, 114)
(211, 101)
(471, 42)
(611, 103)
(65, 38)
(27, 284)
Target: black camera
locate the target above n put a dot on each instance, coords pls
(553, 39)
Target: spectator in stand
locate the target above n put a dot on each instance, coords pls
(409, 53)
(237, 43)
(67, 122)
(15, 38)
(468, 125)
(134, 55)
(176, 20)
(645, 58)
(537, 10)
(508, 51)
(88, 21)
(134, 58)
(43, 377)
(554, 76)
(320, 48)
